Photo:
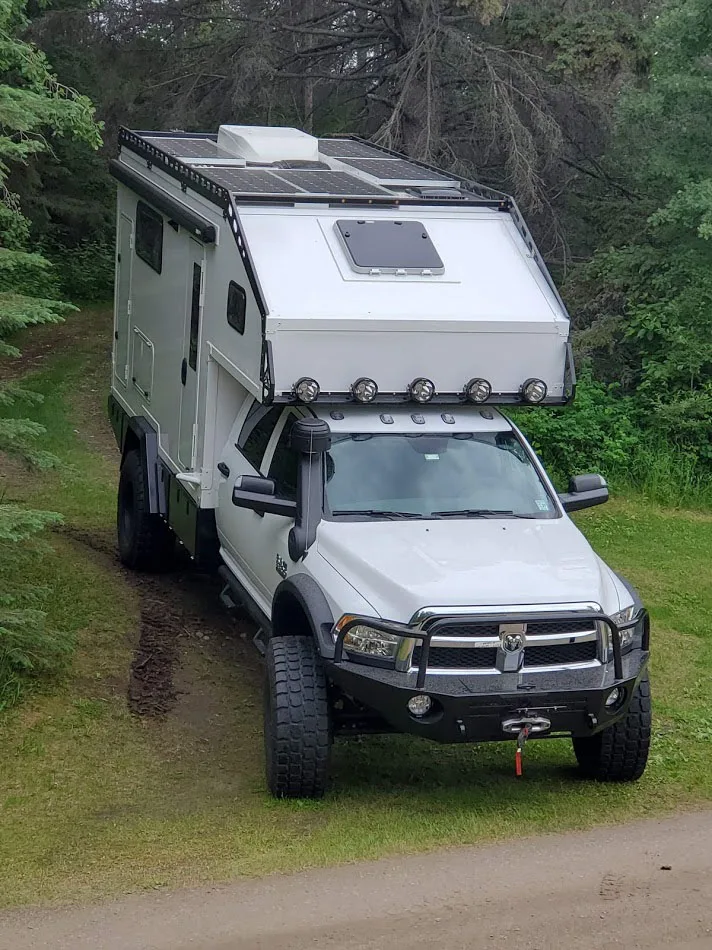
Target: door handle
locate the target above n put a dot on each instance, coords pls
(223, 469)
(184, 370)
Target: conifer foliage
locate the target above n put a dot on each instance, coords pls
(35, 109)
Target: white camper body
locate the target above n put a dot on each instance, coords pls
(235, 277)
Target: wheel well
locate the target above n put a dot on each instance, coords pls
(289, 618)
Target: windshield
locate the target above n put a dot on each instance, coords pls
(486, 475)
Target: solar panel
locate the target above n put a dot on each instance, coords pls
(187, 147)
(346, 148)
(246, 181)
(330, 183)
(395, 169)
(282, 181)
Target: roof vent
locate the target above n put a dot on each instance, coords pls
(267, 144)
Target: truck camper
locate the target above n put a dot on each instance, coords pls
(315, 345)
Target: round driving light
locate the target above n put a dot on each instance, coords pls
(422, 389)
(478, 390)
(614, 697)
(306, 390)
(420, 705)
(364, 390)
(534, 390)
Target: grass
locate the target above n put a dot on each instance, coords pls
(95, 802)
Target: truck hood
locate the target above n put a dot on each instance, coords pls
(399, 567)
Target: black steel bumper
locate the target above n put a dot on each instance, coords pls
(473, 708)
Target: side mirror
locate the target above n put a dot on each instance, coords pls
(585, 491)
(257, 493)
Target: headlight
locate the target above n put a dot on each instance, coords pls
(622, 617)
(370, 641)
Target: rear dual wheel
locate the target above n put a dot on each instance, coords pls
(146, 543)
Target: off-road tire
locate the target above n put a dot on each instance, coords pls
(297, 719)
(619, 753)
(146, 543)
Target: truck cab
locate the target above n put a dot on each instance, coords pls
(445, 591)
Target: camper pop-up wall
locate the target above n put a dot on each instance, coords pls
(311, 340)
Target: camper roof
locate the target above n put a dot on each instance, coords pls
(255, 162)
(387, 269)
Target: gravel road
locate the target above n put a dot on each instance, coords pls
(647, 885)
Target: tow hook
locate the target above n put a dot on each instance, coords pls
(524, 726)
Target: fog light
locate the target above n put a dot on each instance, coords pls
(364, 390)
(422, 389)
(306, 390)
(534, 390)
(420, 705)
(478, 390)
(614, 698)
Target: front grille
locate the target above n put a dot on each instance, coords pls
(535, 628)
(567, 653)
(473, 658)
(456, 658)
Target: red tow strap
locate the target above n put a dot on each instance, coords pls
(521, 739)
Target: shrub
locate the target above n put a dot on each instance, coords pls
(84, 272)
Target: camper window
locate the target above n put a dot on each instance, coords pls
(236, 306)
(194, 316)
(149, 236)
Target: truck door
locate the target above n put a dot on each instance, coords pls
(270, 552)
(190, 364)
(122, 309)
(255, 546)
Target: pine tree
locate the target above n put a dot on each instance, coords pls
(34, 109)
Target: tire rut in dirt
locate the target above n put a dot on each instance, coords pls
(171, 605)
(151, 691)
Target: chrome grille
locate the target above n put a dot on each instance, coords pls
(535, 628)
(465, 644)
(464, 658)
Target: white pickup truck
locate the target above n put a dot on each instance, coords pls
(407, 561)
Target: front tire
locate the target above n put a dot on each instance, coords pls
(297, 719)
(620, 753)
(146, 542)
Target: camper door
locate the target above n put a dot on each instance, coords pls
(191, 344)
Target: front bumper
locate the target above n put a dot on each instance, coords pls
(473, 708)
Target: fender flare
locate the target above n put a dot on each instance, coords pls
(147, 439)
(310, 597)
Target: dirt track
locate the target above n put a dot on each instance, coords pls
(647, 885)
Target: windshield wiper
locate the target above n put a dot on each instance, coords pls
(377, 513)
(478, 513)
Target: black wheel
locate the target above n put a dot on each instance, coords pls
(297, 719)
(620, 753)
(146, 542)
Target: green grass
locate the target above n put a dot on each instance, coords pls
(95, 802)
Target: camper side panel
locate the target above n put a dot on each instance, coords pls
(150, 316)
